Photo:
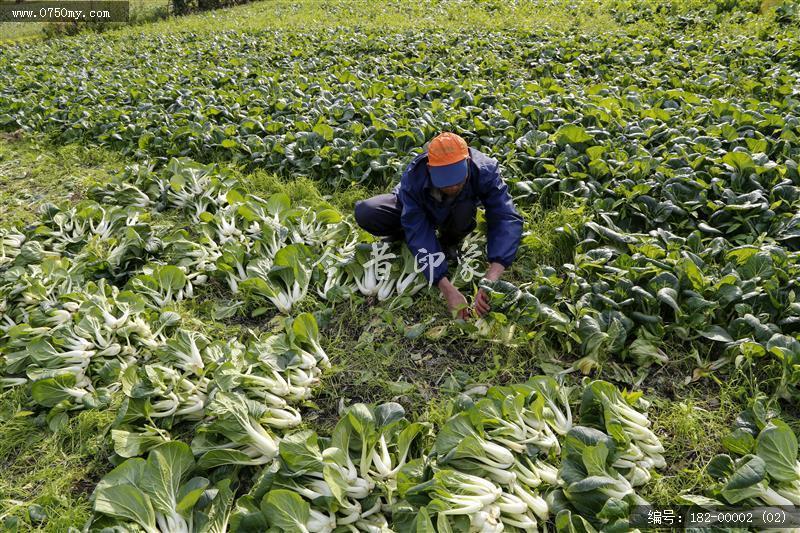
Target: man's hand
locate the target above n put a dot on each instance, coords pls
(482, 303)
(482, 299)
(456, 302)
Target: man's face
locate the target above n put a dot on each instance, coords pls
(453, 190)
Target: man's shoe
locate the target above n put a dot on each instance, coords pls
(451, 253)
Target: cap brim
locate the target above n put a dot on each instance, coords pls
(448, 175)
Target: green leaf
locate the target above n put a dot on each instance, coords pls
(594, 459)
(329, 216)
(743, 484)
(300, 451)
(189, 493)
(161, 479)
(720, 467)
(739, 441)
(591, 483)
(442, 525)
(336, 482)
(407, 436)
(135, 443)
(611, 235)
(286, 510)
(36, 513)
(50, 391)
(177, 182)
(325, 131)
(247, 517)
(669, 296)
(716, 333)
(646, 352)
(128, 472)
(305, 327)
(579, 437)
(777, 446)
(453, 433)
(236, 196)
(758, 266)
(613, 509)
(362, 419)
(171, 277)
(128, 502)
(388, 413)
(278, 203)
(220, 511)
(728, 294)
(398, 387)
(423, 523)
(571, 134)
(739, 160)
(693, 273)
(569, 522)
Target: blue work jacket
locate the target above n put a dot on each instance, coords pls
(422, 212)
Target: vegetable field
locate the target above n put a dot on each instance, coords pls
(195, 336)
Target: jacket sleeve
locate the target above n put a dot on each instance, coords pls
(504, 223)
(420, 236)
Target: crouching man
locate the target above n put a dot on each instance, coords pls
(441, 190)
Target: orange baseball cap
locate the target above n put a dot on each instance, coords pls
(447, 160)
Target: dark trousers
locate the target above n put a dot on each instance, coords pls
(380, 216)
